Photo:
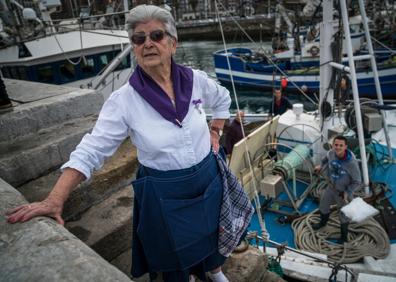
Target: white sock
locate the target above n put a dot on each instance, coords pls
(218, 277)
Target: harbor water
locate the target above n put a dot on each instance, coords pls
(198, 55)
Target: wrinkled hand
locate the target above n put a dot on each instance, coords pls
(214, 141)
(49, 207)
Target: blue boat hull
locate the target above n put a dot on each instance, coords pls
(250, 71)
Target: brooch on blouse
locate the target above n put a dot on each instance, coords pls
(197, 104)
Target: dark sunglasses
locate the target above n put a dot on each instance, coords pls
(155, 36)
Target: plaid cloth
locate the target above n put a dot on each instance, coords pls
(236, 210)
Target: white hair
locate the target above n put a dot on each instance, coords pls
(144, 13)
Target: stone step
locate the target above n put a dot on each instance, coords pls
(124, 262)
(29, 157)
(117, 172)
(250, 265)
(42, 105)
(42, 250)
(107, 226)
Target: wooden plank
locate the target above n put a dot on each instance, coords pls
(255, 142)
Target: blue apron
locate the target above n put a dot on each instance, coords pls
(175, 220)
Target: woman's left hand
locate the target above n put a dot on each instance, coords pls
(215, 129)
(214, 141)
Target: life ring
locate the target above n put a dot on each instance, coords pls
(227, 28)
(314, 51)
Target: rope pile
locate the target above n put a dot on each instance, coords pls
(377, 189)
(366, 238)
(318, 188)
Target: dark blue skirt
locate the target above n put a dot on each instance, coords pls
(175, 221)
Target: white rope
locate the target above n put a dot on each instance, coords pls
(64, 53)
(366, 238)
(256, 197)
(383, 45)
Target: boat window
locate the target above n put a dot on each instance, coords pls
(87, 67)
(22, 73)
(103, 61)
(123, 64)
(67, 72)
(23, 51)
(14, 73)
(5, 72)
(45, 74)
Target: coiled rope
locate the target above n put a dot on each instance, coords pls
(366, 238)
(377, 189)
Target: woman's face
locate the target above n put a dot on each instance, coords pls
(153, 54)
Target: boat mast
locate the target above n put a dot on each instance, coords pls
(326, 93)
(376, 77)
(326, 34)
(355, 91)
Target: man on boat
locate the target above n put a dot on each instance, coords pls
(343, 177)
(279, 104)
(234, 132)
(344, 91)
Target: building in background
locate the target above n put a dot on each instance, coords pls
(181, 9)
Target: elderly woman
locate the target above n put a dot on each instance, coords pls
(178, 190)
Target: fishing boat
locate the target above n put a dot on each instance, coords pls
(250, 69)
(71, 53)
(275, 164)
(264, 69)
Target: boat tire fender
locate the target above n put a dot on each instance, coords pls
(314, 51)
(326, 109)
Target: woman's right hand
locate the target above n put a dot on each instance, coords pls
(50, 207)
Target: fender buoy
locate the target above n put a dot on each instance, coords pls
(284, 83)
(314, 51)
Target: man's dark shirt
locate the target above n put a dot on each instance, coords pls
(234, 134)
(276, 109)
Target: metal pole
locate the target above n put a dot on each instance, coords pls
(355, 92)
(326, 34)
(375, 72)
(342, 266)
(112, 66)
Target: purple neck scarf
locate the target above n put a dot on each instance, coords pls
(182, 79)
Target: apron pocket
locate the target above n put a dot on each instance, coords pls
(190, 220)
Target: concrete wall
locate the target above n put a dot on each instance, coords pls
(42, 250)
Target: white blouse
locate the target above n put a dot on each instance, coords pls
(160, 144)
